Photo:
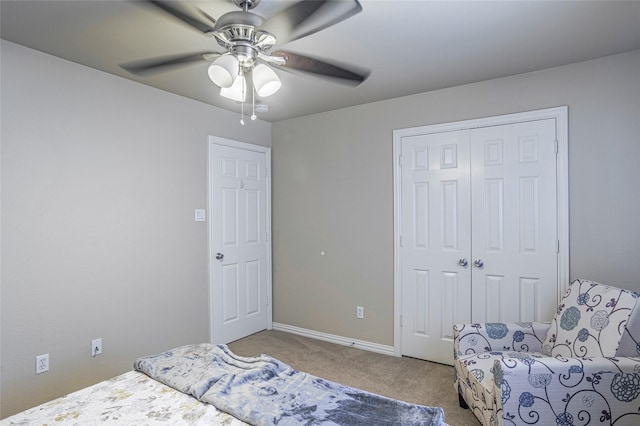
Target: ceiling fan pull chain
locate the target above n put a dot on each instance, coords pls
(253, 103)
(243, 95)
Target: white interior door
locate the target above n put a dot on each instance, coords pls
(239, 240)
(436, 225)
(514, 222)
(481, 228)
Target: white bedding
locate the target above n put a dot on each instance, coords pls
(129, 399)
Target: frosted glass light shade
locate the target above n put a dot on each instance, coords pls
(237, 91)
(224, 70)
(265, 80)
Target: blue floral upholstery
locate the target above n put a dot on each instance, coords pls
(504, 376)
(588, 320)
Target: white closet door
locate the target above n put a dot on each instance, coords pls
(436, 228)
(514, 222)
(479, 231)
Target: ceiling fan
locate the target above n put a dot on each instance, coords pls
(246, 61)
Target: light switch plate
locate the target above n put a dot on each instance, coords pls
(201, 215)
(96, 347)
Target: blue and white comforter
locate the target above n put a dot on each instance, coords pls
(265, 391)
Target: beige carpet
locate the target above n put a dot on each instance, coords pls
(406, 379)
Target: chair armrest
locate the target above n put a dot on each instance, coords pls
(486, 337)
(563, 390)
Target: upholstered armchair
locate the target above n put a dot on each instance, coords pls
(583, 368)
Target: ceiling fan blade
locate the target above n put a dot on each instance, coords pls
(351, 76)
(209, 17)
(308, 17)
(173, 8)
(150, 66)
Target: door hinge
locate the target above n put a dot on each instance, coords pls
(557, 246)
(556, 146)
(401, 241)
(400, 161)
(401, 321)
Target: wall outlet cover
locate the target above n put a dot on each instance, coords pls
(42, 363)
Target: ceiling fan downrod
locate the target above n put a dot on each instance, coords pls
(246, 4)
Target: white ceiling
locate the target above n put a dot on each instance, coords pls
(410, 46)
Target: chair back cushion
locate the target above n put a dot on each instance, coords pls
(590, 321)
(630, 341)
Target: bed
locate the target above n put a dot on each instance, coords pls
(132, 398)
(208, 384)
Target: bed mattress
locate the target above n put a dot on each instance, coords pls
(132, 398)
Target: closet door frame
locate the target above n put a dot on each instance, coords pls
(560, 115)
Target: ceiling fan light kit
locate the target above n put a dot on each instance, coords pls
(265, 81)
(237, 91)
(224, 70)
(247, 65)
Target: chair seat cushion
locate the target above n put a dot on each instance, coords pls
(478, 372)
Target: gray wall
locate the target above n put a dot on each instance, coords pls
(100, 179)
(332, 189)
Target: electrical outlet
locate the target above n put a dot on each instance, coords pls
(96, 347)
(359, 312)
(42, 363)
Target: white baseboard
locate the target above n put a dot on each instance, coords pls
(339, 340)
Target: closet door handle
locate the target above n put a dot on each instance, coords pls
(463, 262)
(478, 263)
(219, 256)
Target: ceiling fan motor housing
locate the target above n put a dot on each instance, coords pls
(238, 33)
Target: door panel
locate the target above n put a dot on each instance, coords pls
(230, 293)
(514, 222)
(436, 226)
(239, 233)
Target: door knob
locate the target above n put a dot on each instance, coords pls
(219, 256)
(463, 262)
(478, 263)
